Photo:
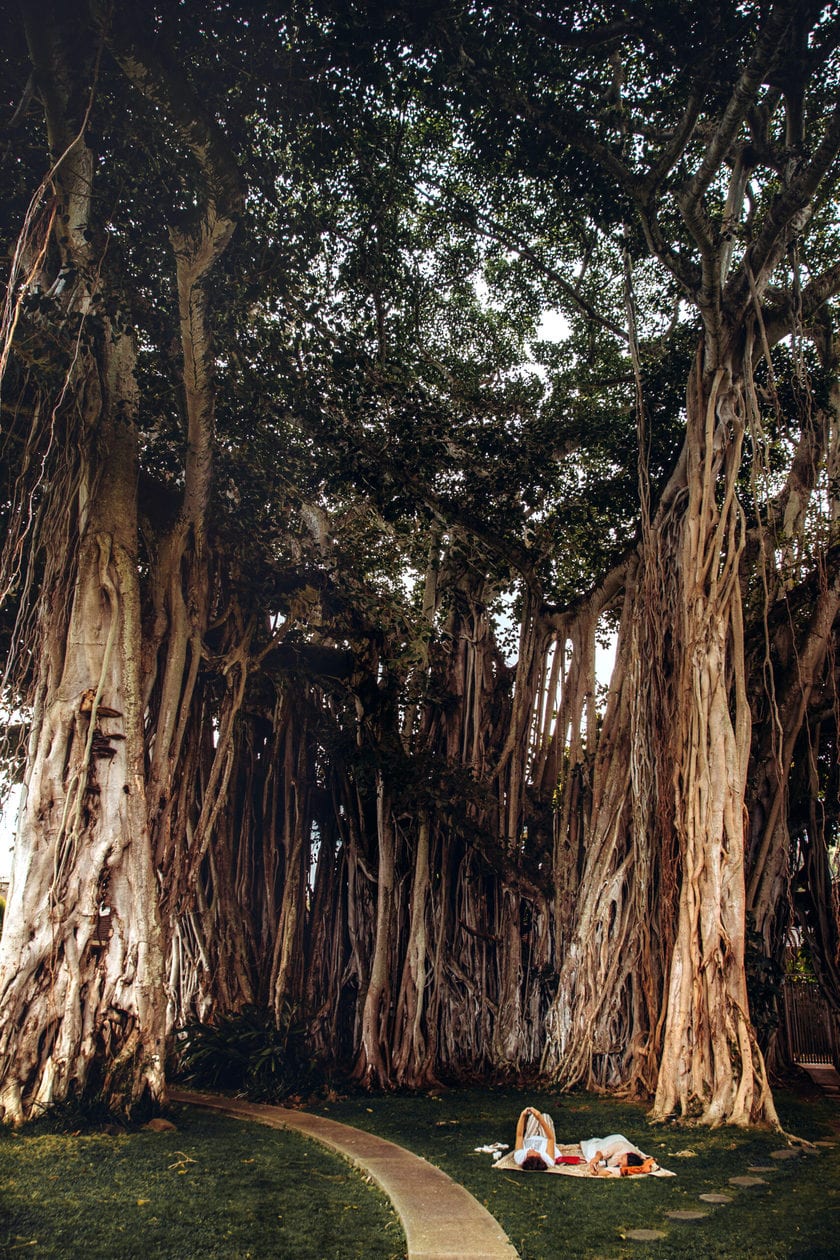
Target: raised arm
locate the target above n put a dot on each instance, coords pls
(520, 1128)
(550, 1148)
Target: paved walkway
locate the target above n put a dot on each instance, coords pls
(442, 1220)
(825, 1075)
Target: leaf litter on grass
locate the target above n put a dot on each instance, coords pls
(125, 1199)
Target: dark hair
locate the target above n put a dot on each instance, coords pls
(633, 1159)
(533, 1162)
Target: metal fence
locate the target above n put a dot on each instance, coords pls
(812, 1028)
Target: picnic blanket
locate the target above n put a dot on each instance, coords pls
(508, 1164)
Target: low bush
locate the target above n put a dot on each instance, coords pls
(248, 1052)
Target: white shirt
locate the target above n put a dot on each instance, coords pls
(536, 1142)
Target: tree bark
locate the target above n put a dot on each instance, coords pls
(711, 1066)
(373, 1066)
(81, 982)
(81, 1005)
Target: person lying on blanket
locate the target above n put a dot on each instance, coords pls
(616, 1152)
(534, 1147)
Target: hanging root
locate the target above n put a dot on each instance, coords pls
(70, 826)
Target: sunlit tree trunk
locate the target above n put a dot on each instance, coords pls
(414, 1062)
(81, 992)
(81, 997)
(711, 1067)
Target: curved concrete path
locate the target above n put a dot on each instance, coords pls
(442, 1220)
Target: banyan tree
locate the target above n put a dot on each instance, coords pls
(313, 538)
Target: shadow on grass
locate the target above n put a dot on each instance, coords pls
(215, 1188)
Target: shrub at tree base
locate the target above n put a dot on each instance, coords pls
(248, 1051)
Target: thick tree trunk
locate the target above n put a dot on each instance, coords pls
(180, 585)
(509, 1039)
(81, 993)
(769, 883)
(287, 970)
(652, 989)
(711, 1067)
(797, 659)
(818, 901)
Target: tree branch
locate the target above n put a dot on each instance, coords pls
(780, 319)
(743, 96)
(161, 82)
(605, 36)
(789, 206)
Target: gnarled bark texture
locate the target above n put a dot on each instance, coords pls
(711, 1066)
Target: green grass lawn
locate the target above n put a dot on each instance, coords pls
(215, 1188)
(219, 1187)
(796, 1214)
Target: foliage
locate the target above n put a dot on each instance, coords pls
(83, 1113)
(798, 965)
(248, 1051)
(764, 986)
